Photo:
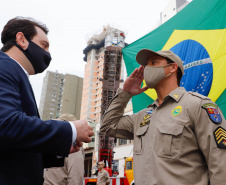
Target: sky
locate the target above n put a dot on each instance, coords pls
(72, 22)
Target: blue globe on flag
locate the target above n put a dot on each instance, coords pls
(198, 68)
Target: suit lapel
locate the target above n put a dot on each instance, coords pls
(28, 84)
(33, 96)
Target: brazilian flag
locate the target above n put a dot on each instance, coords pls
(198, 35)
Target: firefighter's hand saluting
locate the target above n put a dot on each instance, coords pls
(133, 82)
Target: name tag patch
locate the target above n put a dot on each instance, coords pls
(213, 113)
(147, 116)
(143, 123)
(220, 137)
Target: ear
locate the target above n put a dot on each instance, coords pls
(174, 67)
(21, 40)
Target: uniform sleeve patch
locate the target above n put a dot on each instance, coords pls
(213, 113)
(220, 137)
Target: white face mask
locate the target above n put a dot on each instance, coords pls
(153, 75)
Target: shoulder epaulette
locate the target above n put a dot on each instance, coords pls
(199, 95)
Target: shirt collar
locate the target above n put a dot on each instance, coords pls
(176, 94)
(21, 67)
(154, 104)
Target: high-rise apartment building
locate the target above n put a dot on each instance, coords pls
(97, 57)
(72, 95)
(170, 10)
(94, 56)
(60, 94)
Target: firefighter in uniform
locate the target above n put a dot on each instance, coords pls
(72, 173)
(103, 176)
(180, 139)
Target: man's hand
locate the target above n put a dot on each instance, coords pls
(84, 131)
(76, 148)
(133, 82)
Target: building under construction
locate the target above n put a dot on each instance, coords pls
(104, 74)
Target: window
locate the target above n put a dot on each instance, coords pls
(122, 141)
(129, 165)
(115, 167)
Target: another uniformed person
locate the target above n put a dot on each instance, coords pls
(103, 176)
(180, 138)
(72, 173)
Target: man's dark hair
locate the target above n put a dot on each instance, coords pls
(20, 24)
(179, 73)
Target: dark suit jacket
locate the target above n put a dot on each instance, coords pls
(27, 144)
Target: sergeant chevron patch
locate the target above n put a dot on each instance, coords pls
(220, 137)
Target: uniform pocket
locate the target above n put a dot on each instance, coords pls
(139, 140)
(168, 140)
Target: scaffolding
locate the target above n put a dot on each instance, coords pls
(111, 75)
(111, 81)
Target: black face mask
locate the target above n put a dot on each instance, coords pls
(39, 58)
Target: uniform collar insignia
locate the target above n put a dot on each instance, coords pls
(177, 93)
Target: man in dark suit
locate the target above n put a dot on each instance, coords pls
(28, 144)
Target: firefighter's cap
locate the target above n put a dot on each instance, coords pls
(101, 162)
(67, 117)
(144, 54)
